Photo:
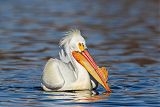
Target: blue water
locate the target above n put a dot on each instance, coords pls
(122, 35)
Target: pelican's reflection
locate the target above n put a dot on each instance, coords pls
(77, 96)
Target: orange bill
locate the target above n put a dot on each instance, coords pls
(100, 74)
(104, 71)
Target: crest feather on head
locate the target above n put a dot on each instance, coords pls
(73, 32)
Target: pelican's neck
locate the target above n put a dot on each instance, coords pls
(82, 77)
(77, 68)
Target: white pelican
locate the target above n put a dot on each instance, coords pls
(76, 69)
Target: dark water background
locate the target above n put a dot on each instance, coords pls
(123, 35)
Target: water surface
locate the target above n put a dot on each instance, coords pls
(121, 34)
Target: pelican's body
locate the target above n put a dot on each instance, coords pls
(61, 76)
(75, 70)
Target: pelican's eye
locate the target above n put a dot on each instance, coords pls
(81, 46)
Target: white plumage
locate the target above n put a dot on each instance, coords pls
(67, 73)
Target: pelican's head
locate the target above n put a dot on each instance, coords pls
(74, 44)
(73, 41)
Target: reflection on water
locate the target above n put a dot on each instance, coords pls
(122, 35)
(75, 96)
